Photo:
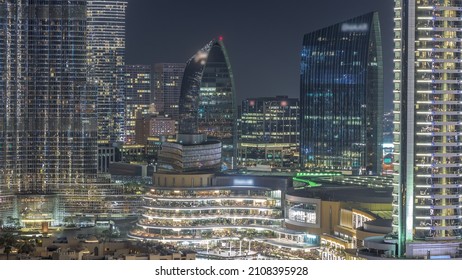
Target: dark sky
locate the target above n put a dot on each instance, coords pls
(263, 38)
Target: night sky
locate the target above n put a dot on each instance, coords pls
(263, 38)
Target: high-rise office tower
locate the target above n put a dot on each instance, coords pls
(48, 118)
(167, 79)
(153, 128)
(427, 127)
(138, 97)
(341, 97)
(106, 45)
(207, 101)
(269, 131)
(48, 127)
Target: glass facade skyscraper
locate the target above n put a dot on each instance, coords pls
(167, 79)
(269, 131)
(341, 97)
(48, 127)
(207, 100)
(106, 45)
(427, 128)
(138, 97)
(48, 114)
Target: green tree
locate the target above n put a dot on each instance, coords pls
(26, 247)
(12, 223)
(8, 241)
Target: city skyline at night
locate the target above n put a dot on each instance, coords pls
(263, 41)
(232, 130)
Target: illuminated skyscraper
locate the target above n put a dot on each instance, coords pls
(207, 101)
(269, 131)
(138, 97)
(48, 127)
(427, 128)
(106, 44)
(167, 79)
(341, 98)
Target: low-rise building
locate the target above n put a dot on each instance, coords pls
(93, 249)
(344, 211)
(190, 153)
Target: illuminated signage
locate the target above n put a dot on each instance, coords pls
(302, 215)
(352, 27)
(243, 182)
(310, 174)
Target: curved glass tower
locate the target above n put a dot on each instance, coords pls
(207, 99)
(341, 98)
(427, 128)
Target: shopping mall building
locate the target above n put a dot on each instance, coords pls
(205, 208)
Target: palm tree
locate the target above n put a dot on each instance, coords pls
(240, 244)
(26, 247)
(249, 238)
(7, 241)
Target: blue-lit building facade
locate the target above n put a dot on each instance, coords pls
(341, 96)
(207, 99)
